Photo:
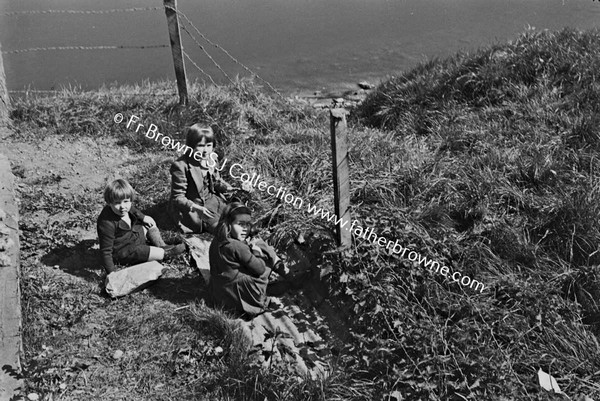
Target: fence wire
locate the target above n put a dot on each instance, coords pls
(111, 11)
(246, 68)
(198, 67)
(207, 54)
(39, 49)
(115, 47)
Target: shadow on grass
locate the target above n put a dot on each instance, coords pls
(80, 260)
(183, 290)
(177, 285)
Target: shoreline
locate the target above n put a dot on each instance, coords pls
(322, 96)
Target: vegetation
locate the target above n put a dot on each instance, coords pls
(486, 162)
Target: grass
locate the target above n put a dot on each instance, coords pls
(487, 162)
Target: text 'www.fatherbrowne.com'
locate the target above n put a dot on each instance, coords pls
(237, 171)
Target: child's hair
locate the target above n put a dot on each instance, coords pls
(224, 228)
(118, 190)
(197, 132)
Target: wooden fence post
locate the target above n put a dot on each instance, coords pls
(176, 50)
(4, 101)
(341, 174)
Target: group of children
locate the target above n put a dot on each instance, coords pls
(239, 267)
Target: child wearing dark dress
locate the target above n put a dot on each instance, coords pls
(123, 231)
(239, 272)
(196, 185)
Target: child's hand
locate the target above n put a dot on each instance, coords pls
(149, 222)
(203, 211)
(257, 251)
(246, 186)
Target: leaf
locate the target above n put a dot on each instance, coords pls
(548, 382)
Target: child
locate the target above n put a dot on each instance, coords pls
(196, 184)
(123, 230)
(239, 273)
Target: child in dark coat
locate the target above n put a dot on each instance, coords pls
(239, 272)
(123, 230)
(196, 184)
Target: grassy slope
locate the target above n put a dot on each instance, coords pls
(485, 162)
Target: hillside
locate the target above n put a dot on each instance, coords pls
(485, 162)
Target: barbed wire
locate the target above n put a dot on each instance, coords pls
(198, 67)
(111, 11)
(39, 49)
(207, 54)
(138, 9)
(224, 51)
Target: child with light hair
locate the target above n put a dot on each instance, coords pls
(123, 231)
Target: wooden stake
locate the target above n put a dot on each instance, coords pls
(341, 174)
(176, 50)
(4, 101)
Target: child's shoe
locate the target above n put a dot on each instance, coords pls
(173, 250)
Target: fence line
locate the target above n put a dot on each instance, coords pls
(39, 49)
(227, 53)
(207, 54)
(111, 11)
(198, 67)
(116, 47)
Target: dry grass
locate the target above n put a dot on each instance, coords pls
(487, 162)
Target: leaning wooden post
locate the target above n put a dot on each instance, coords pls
(4, 102)
(176, 50)
(341, 174)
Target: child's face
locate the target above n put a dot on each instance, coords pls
(240, 226)
(204, 149)
(122, 207)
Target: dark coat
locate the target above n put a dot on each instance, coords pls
(189, 186)
(119, 242)
(238, 279)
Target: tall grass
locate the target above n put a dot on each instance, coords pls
(486, 162)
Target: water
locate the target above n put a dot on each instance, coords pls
(293, 44)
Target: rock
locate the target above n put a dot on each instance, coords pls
(62, 386)
(365, 85)
(33, 397)
(339, 100)
(118, 354)
(356, 98)
(6, 243)
(4, 260)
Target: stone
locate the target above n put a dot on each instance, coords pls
(365, 85)
(118, 354)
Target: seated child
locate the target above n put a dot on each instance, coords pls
(123, 230)
(239, 272)
(196, 184)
